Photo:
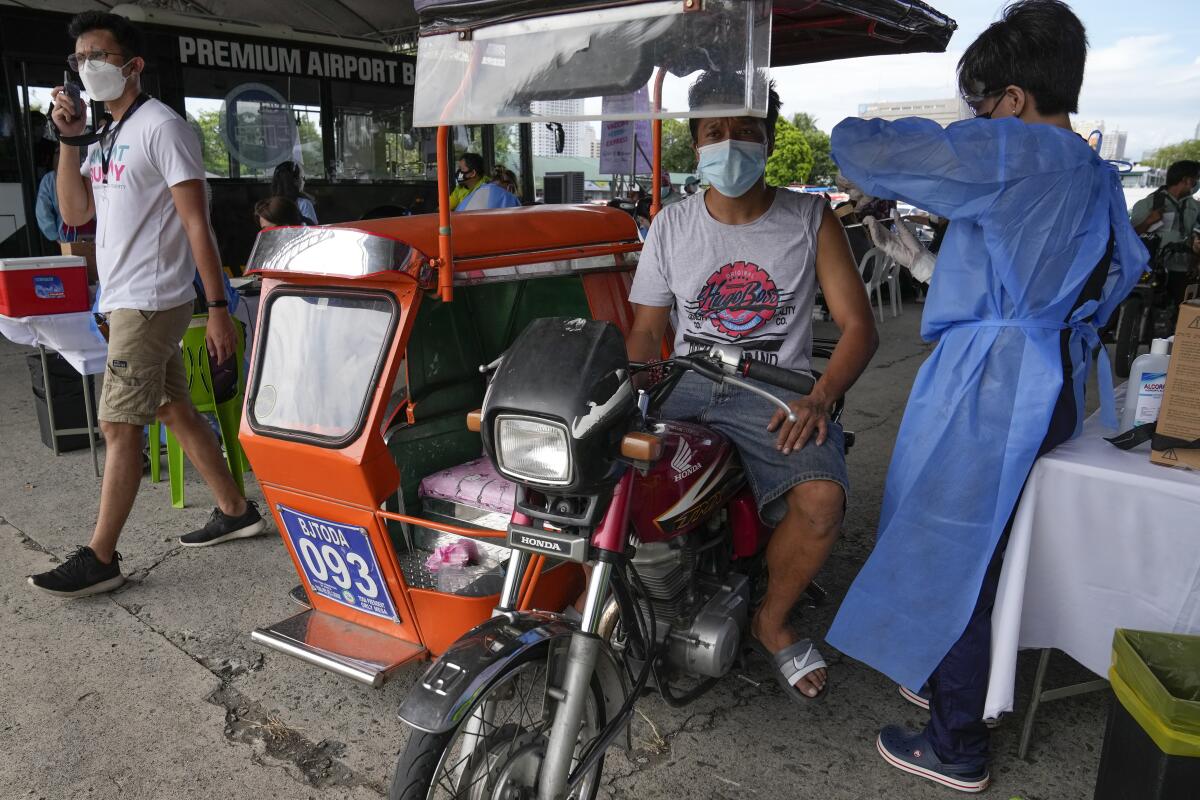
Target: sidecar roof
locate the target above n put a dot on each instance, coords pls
(803, 31)
(506, 231)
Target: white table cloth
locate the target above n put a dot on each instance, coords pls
(1102, 539)
(69, 335)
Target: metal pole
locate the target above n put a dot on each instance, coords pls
(91, 423)
(49, 399)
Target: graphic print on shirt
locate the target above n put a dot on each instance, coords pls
(740, 304)
(116, 164)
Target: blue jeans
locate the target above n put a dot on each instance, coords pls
(743, 417)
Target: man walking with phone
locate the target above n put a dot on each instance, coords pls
(143, 182)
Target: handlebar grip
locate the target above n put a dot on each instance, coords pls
(779, 377)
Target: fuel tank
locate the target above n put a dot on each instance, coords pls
(697, 474)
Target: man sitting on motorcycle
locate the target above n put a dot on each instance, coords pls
(740, 264)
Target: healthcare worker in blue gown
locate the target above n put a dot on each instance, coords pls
(1039, 252)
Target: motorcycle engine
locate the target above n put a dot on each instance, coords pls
(701, 612)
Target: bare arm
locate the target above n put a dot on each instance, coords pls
(76, 204)
(847, 299)
(192, 207)
(644, 341)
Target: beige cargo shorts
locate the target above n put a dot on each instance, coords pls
(145, 366)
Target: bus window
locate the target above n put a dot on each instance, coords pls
(276, 118)
(373, 136)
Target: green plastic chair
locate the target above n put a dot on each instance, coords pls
(228, 413)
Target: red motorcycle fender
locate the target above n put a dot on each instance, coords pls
(443, 697)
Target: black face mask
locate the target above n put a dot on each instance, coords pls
(462, 176)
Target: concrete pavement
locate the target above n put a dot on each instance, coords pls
(156, 691)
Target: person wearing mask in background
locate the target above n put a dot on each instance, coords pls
(144, 181)
(1171, 212)
(506, 179)
(1038, 253)
(739, 265)
(276, 211)
(691, 185)
(666, 191)
(478, 192)
(289, 182)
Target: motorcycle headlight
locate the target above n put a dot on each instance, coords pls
(533, 450)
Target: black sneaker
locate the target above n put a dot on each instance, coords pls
(221, 527)
(82, 574)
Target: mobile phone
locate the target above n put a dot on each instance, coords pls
(72, 90)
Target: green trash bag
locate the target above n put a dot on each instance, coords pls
(1156, 676)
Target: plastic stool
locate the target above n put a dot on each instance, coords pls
(228, 413)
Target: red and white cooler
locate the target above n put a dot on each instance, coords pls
(31, 287)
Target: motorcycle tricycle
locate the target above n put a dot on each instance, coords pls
(526, 704)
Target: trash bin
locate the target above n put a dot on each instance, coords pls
(66, 392)
(1152, 741)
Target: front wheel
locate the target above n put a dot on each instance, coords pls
(495, 753)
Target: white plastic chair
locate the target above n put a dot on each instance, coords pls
(878, 264)
(893, 283)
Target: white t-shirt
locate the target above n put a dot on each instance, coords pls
(751, 286)
(142, 252)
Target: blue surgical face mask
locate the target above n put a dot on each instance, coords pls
(732, 166)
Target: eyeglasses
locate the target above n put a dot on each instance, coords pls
(974, 101)
(95, 58)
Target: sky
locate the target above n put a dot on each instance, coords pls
(1143, 70)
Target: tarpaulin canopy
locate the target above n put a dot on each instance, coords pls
(803, 31)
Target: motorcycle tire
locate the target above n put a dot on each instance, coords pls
(418, 764)
(1129, 335)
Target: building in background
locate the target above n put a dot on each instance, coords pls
(1112, 143)
(943, 112)
(577, 136)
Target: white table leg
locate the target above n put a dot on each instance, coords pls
(91, 423)
(49, 399)
(1038, 697)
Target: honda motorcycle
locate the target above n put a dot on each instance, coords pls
(526, 705)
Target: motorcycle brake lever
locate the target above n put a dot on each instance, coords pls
(791, 415)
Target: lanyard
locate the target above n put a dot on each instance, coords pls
(106, 158)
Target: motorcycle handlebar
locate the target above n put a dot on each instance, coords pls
(781, 378)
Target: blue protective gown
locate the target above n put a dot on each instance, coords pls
(488, 195)
(1031, 210)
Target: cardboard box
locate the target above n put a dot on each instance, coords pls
(1179, 417)
(86, 250)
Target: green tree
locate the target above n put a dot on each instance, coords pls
(792, 160)
(677, 153)
(1180, 151)
(823, 169)
(216, 156)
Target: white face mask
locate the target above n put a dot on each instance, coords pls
(103, 81)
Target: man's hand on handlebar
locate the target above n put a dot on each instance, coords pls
(812, 416)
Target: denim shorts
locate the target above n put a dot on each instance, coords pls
(743, 417)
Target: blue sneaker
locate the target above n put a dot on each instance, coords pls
(912, 753)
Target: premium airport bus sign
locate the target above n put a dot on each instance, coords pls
(271, 59)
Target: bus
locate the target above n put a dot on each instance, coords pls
(256, 95)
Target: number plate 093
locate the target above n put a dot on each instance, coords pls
(339, 562)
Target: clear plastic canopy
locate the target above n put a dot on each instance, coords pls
(627, 62)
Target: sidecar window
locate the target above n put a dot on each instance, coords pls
(320, 363)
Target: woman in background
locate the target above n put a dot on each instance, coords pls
(277, 211)
(289, 183)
